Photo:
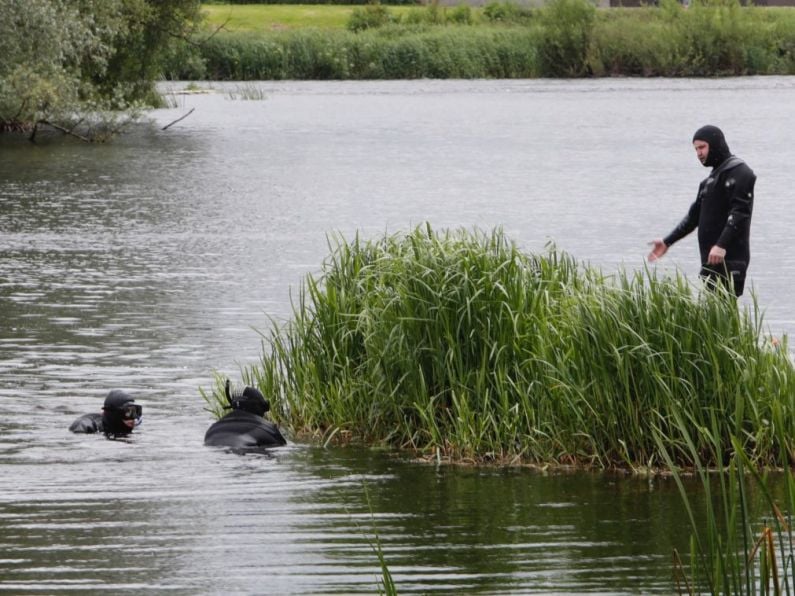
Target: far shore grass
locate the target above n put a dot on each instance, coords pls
(563, 39)
(266, 18)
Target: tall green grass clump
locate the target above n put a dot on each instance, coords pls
(459, 344)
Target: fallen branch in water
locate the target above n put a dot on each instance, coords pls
(66, 131)
(178, 119)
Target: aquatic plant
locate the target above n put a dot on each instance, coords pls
(458, 344)
(249, 92)
(386, 584)
(745, 543)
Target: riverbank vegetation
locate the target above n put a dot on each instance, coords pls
(566, 38)
(85, 68)
(458, 345)
(88, 68)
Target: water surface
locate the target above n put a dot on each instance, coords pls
(148, 263)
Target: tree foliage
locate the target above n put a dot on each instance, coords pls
(69, 61)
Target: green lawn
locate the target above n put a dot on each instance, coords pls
(276, 17)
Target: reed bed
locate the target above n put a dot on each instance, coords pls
(457, 344)
(566, 38)
(742, 541)
(390, 53)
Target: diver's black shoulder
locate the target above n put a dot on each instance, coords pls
(241, 429)
(87, 423)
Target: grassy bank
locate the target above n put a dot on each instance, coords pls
(567, 38)
(267, 18)
(458, 344)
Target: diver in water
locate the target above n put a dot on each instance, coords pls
(244, 426)
(120, 414)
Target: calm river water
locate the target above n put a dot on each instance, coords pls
(150, 262)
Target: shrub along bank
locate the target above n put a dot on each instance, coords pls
(566, 38)
(458, 344)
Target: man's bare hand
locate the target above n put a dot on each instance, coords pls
(659, 248)
(716, 255)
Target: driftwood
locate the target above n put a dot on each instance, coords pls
(178, 119)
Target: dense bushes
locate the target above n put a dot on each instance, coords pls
(566, 31)
(371, 16)
(460, 343)
(567, 38)
(708, 39)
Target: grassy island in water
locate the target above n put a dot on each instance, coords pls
(458, 345)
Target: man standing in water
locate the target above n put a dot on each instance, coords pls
(721, 212)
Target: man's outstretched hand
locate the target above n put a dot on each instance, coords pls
(659, 248)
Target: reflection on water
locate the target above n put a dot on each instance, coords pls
(299, 521)
(150, 262)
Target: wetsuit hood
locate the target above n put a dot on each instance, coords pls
(249, 400)
(113, 412)
(718, 148)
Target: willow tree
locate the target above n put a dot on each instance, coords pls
(82, 66)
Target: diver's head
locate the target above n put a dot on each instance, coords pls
(250, 400)
(716, 150)
(120, 413)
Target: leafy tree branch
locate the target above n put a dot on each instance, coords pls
(82, 66)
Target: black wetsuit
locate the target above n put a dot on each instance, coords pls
(87, 423)
(244, 427)
(722, 213)
(241, 429)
